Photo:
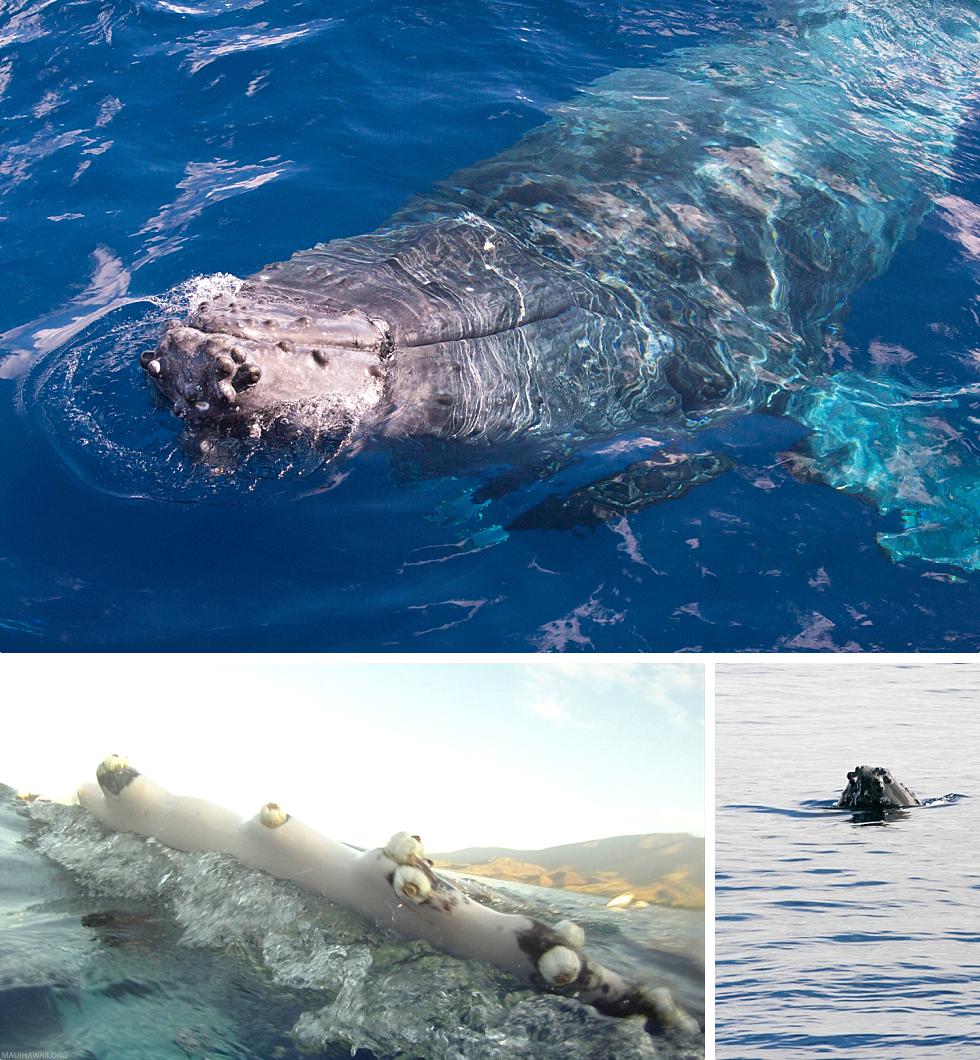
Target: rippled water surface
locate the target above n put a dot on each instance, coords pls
(153, 151)
(837, 937)
(117, 947)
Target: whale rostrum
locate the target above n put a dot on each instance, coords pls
(393, 886)
(875, 788)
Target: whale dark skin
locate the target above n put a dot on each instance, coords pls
(670, 249)
(875, 788)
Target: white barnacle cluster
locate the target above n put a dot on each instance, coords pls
(559, 966)
(410, 882)
(272, 815)
(404, 849)
(562, 965)
(570, 933)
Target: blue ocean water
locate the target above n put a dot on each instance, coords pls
(122, 987)
(837, 937)
(148, 144)
(118, 948)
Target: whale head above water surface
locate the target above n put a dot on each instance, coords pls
(239, 354)
(875, 788)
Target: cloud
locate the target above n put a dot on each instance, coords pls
(673, 691)
(548, 708)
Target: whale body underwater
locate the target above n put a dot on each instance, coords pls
(393, 887)
(676, 246)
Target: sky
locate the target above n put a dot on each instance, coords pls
(511, 754)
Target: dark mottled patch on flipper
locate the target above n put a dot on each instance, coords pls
(537, 940)
(600, 988)
(632, 1003)
(656, 1005)
(647, 482)
(113, 781)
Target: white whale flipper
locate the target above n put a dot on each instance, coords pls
(145, 807)
(393, 887)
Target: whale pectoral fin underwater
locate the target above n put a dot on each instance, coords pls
(667, 476)
(906, 451)
(394, 887)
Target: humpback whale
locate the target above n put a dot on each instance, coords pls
(393, 886)
(875, 788)
(676, 245)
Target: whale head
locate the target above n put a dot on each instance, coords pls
(248, 359)
(431, 328)
(875, 788)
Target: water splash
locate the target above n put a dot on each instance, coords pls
(370, 990)
(86, 391)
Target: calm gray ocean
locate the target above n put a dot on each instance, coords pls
(836, 937)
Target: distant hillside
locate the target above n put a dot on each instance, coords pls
(664, 868)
